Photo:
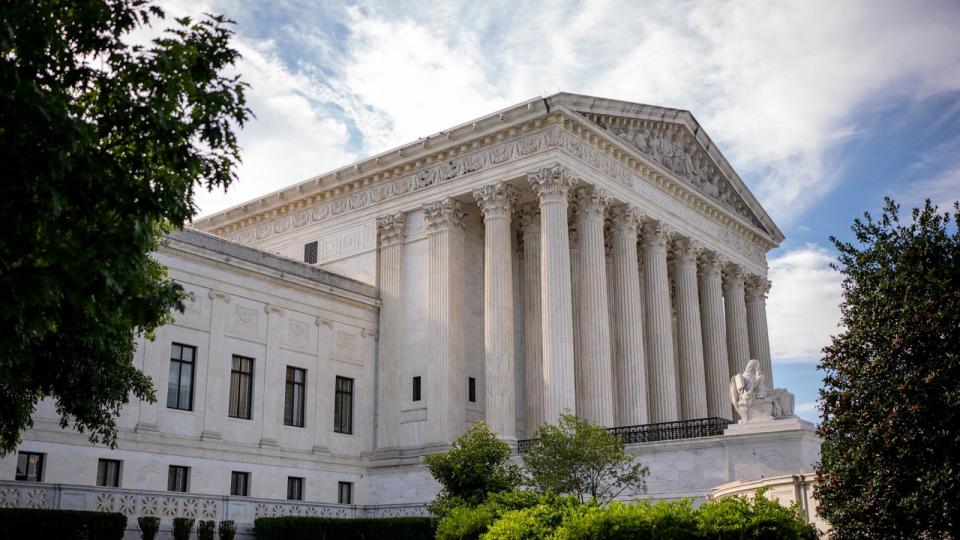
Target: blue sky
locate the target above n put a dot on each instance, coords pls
(823, 107)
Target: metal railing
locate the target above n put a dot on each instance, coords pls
(663, 431)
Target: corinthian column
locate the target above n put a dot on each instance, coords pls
(390, 232)
(630, 369)
(596, 368)
(693, 393)
(738, 348)
(756, 291)
(659, 325)
(496, 203)
(446, 376)
(551, 186)
(713, 327)
(529, 216)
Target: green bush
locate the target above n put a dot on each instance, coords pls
(182, 528)
(533, 523)
(754, 518)
(619, 521)
(228, 529)
(469, 522)
(205, 529)
(148, 527)
(35, 523)
(296, 528)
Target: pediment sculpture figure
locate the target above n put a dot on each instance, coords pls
(754, 401)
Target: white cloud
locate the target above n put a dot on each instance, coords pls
(807, 407)
(803, 309)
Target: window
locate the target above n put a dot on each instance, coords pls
(178, 479)
(472, 389)
(416, 388)
(345, 493)
(296, 391)
(108, 473)
(294, 488)
(180, 382)
(239, 483)
(29, 467)
(343, 406)
(310, 253)
(241, 387)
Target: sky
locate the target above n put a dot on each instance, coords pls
(823, 107)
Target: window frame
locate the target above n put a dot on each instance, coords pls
(173, 477)
(180, 365)
(237, 375)
(311, 250)
(417, 389)
(290, 396)
(299, 481)
(343, 397)
(102, 472)
(239, 479)
(340, 492)
(37, 468)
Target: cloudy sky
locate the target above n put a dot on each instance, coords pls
(823, 107)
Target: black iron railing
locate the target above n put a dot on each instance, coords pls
(663, 431)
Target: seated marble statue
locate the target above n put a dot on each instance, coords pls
(753, 399)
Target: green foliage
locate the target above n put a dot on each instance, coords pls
(755, 518)
(536, 522)
(890, 462)
(227, 530)
(182, 528)
(477, 464)
(102, 145)
(39, 524)
(303, 528)
(618, 521)
(468, 522)
(206, 529)
(584, 459)
(149, 526)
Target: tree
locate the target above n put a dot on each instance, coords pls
(476, 465)
(890, 462)
(584, 459)
(102, 144)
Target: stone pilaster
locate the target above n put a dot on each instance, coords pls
(445, 379)
(757, 288)
(496, 202)
(595, 362)
(529, 216)
(274, 376)
(693, 393)
(738, 348)
(659, 325)
(551, 186)
(713, 327)
(323, 385)
(390, 230)
(215, 399)
(630, 369)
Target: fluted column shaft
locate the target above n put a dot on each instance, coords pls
(713, 328)
(446, 376)
(574, 239)
(630, 369)
(532, 320)
(390, 231)
(659, 325)
(693, 393)
(738, 348)
(551, 186)
(596, 366)
(756, 299)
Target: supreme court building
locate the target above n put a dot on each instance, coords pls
(567, 253)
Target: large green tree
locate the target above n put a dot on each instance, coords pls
(102, 144)
(891, 398)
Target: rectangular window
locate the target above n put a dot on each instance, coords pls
(241, 387)
(180, 382)
(293, 404)
(108, 473)
(294, 488)
(345, 493)
(343, 406)
(416, 388)
(29, 467)
(472, 389)
(178, 479)
(239, 483)
(310, 253)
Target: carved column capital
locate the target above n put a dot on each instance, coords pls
(551, 184)
(711, 263)
(390, 229)
(624, 219)
(733, 276)
(590, 202)
(756, 287)
(528, 217)
(215, 295)
(496, 200)
(656, 235)
(685, 251)
(444, 214)
(270, 308)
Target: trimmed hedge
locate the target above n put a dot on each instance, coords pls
(73, 524)
(297, 528)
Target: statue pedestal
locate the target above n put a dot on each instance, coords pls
(789, 423)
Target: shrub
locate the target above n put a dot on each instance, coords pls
(36, 523)
(148, 527)
(228, 529)
(626, 521)
(468, 522)
(182, 528)
(536, 522)
(205, 530)
(756, 517)
(295, 527)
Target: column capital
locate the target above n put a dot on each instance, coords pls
(528, 216)
(444, 214)
(496, 200)
(624, 219)
(551, 184)
(711, 263)
(390, 229)
(756, 287)
(685, 251)
(733, 275)
(590, 202)
(656, 235)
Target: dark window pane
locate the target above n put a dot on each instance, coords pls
(29, 467)
(293, 404)
(343, 406)
(108, 473)
(180, 381)
(241, 388)
(178, 478)
(472, 389)
(416, 388)
(239, 483)
(310, 253)
(345, 493)
(294, 488)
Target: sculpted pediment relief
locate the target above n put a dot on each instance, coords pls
(674, 147)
